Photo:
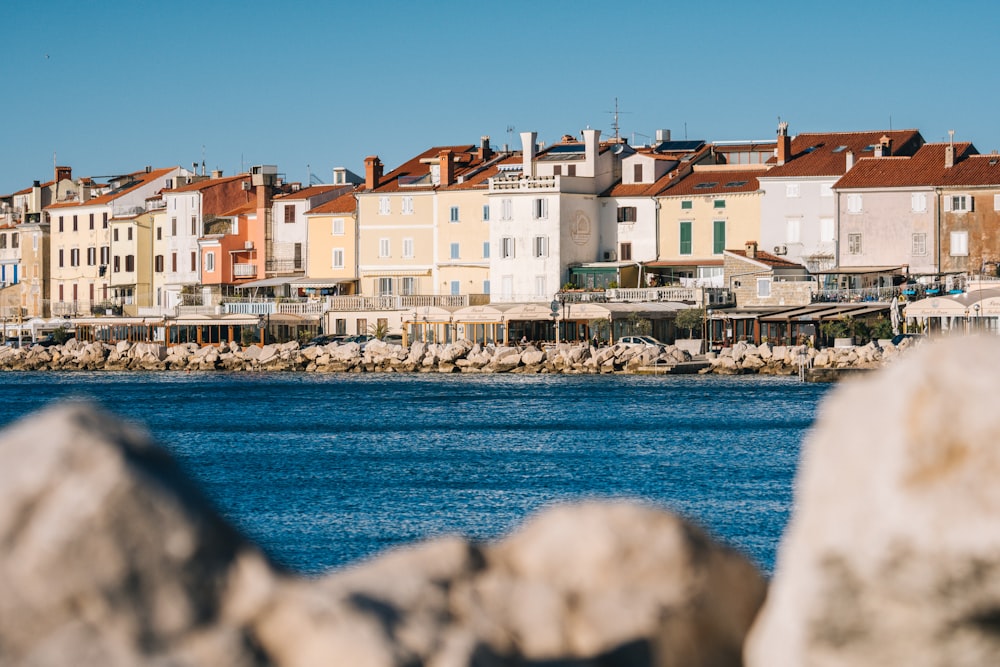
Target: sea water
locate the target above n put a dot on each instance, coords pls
(323, 470)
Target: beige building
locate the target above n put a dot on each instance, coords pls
(132, 248)
(332, 248)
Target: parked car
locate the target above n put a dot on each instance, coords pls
(326, 339)
(393, 339)
(360, 339)
(46, 341)
(639, 341)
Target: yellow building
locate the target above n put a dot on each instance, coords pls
(332, 247)
(712, 209)
(132, 249)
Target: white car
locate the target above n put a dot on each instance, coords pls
(639, 341)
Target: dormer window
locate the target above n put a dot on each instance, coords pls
(637, 172)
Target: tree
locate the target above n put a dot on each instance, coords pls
(690, 319)
(379, 329)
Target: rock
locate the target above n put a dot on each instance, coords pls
(893, 550)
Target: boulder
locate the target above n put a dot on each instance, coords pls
(893, 550)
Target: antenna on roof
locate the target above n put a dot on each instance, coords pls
(510, 135)
(615, 126)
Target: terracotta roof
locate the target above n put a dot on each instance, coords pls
(974, 170)
(204, 184)
(924, 168)
(416, 172)
(767, 258)
(250, 207)
(306, 193)
(345, 203)
(826, 154)
(722, 182)
(142, 178)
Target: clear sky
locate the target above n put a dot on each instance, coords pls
(110, 87)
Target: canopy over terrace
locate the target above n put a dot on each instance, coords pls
(787, 324)
(977, 309)
(213, 330)
(429, 324)
(336, 286)
(115, 329)
(483, 324)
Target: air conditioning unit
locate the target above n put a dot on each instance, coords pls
(610, 256)
(246, 185)
(780, 250)
(248, 245)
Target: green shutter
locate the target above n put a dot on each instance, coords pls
(685, 248)
(719, 237)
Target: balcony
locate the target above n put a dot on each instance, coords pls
(697, 296)
(284, 265)
(244, 270)
(539, 183)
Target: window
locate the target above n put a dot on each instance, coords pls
(129, 263)
(338, 226)
(718, 236)
(826, 230)
(919, 246)
(3, 240)
(92, 256)
(456, 288)
(486, 287)
(407, 248)
(541, 246)
(407, 286)
(118, 264)
(557, 170)
(507, 247)
(173, 226)
(194, 261)
(159, 234)
(486, 212)
(626, 213)
(454, 251)
(74, 223)
(173, 262)
(506, 209)
(686, 204)
(407, 206)
(338, 258)
(791, 189)
(719, 203)
(507, 287)
(289, 213)
(60, 257)
(209, 262)
(854, 244)
(74, 257)
(383, 286)
(763, 287)
(571, 170)
(194, 225)
(540, 286)
(61, 292)
(996, 202)
(297, 256)
(793, 230)
(625, 252)
(685, 238)
(453, 216)
(918, 202)
(958, 203)
(854, 203)
(114, 234)
(383, 206)
(540, 208)
(60, 223)
(105, 254)
(637, 173)
(91, 220)
(157, 263)
(826, 190)
(383, 247)
(959, 244)
(486, 249)
(129, 233)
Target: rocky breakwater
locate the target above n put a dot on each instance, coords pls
(461, 356)
(768, 359)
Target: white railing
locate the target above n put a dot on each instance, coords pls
(537, 183)
(308, 308)
(197, 310)
(359, 303)
(250, 308)
(156, 311)
(244, 270)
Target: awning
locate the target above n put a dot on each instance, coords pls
(267, 282)
(484, 313)
(320, 283)
(395, 273)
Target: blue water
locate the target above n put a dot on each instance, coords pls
(324, 470)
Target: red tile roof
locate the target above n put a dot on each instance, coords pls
(417, 170)
(767, 258)
(722, 182)
(345, 203)
(142, 178)
(206, 183)
(826, 154)
(924, 168)
(981, 170)
(306, 193)
(250, 207)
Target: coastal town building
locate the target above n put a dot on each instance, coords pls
(798, 210)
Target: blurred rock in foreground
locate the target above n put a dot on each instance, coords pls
(108, 556)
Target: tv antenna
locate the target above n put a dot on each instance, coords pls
(615, 125)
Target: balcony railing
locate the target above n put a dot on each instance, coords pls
(548, 183)
(709, 296)
(876, 294)
(244, 270)
(284, 265)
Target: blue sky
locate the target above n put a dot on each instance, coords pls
(110, 86)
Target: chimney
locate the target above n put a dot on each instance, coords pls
(528, 153)
(446, 168)
(485, 152)
(751, 247)
(264, 194)
(373, 172)
(949, 151)
(36, 197)
(84, 190)
(784, 144)
(64, 174)
(886, 143)
(849, 157)
(590, 144)
(216, 174)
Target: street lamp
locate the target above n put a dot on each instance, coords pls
(263, 323)
(976, 308)
(554, 307)
(708, 328)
